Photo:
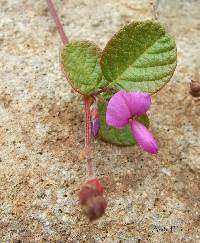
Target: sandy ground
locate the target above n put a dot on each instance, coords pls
(41, 135)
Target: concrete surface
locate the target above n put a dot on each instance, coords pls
(41, 135)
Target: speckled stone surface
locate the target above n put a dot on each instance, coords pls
(42, 132)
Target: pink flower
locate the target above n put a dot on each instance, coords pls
(124, 108)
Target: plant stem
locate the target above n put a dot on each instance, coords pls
(87, 103)
(87, 100)
(154, 10)
(57, 21)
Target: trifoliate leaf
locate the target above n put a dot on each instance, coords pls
(122, 137)
(81, 64)
(140, 57)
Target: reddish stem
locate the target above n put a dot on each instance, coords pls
(87, 103)
(87, 100)
(57, 22)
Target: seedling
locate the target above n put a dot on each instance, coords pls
(117, 82)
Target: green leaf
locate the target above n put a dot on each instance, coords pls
(140, 57)
(80, 61)
(122, 137)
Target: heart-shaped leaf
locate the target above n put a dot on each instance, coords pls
(122, 137)
(80, 61)
(140, 57)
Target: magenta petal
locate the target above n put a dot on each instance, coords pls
(143, 137)
(138, 102)
(118, 112)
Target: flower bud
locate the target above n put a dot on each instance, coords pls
(92, 200)
(95, 122)
(195, 88)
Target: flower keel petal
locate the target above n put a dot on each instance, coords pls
(143, 137)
